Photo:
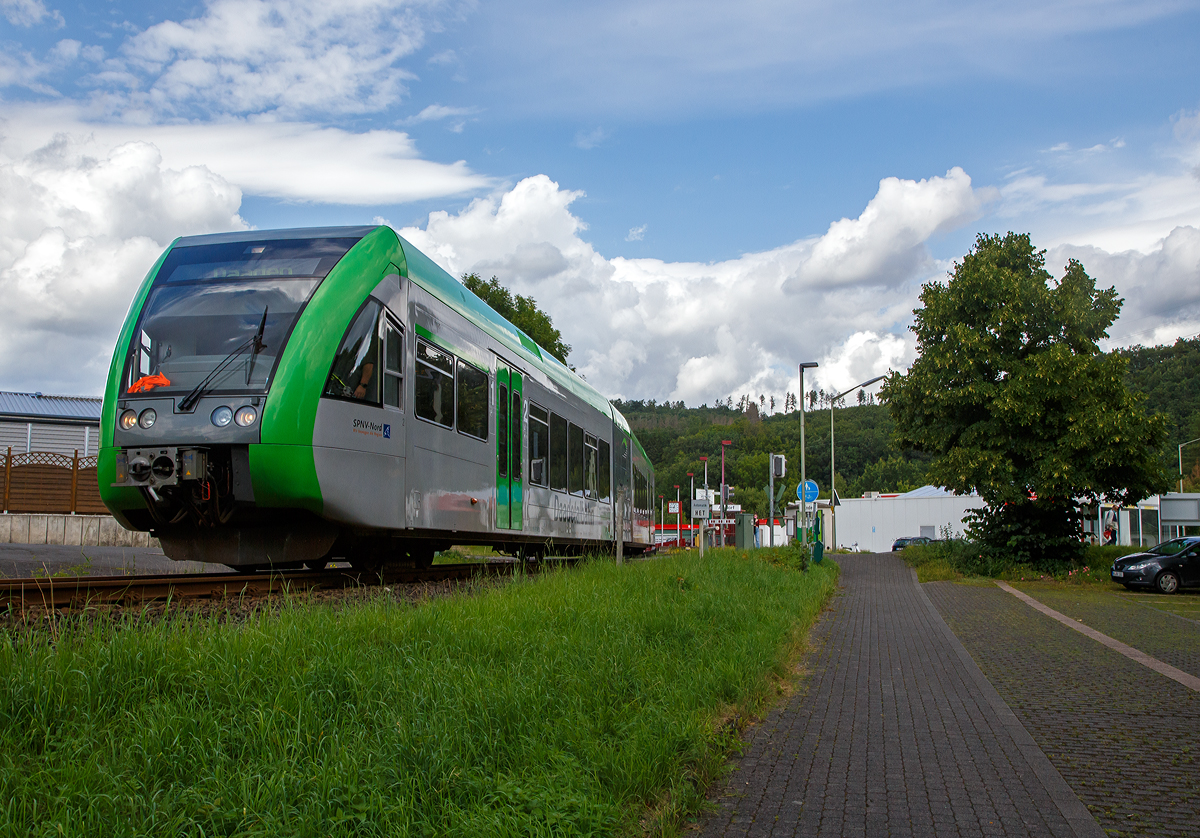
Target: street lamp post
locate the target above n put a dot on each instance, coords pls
(678, 515)
(690, 499)
(803, 473)
(708, 500)
(724, 442)
(1189, 442)
(662, 518)
(832, 468)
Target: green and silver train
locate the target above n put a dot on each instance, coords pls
(294, 397)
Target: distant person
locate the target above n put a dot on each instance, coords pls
(1110, 537)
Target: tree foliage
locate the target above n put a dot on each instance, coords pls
(522, 312)
(675, 437)
(1170, 378)
(1013, 398)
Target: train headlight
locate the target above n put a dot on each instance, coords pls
(245, 416)
(222, 416)
(147, 417)
(128, 420)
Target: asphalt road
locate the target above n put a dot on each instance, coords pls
(26, 560)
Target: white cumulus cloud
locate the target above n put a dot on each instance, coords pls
(284, 57)
(298, 161)
(1161, 287)
(645, 328)
(28, 12)
(79, 228)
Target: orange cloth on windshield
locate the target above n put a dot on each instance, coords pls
(149, 382)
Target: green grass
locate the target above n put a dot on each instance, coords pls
(958, 559)
(584, 702)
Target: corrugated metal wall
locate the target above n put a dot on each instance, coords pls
(59, 439)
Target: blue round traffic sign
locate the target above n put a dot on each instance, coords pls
(807, 491)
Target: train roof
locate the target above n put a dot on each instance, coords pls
(437, 281)
(292, 233)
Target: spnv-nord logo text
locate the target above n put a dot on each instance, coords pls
(365, 426)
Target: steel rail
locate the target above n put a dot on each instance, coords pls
(77, 591)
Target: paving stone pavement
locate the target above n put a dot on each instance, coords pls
(1171, 639)
(896, 733)
(1126, 739)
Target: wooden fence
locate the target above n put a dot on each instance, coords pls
(41, 481)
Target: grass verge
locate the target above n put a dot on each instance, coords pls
(958, 559)
(586, 702)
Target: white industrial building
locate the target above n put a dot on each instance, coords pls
(873, 522)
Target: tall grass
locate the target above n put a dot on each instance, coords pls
(575, 703)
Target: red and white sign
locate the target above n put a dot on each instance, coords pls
(672, 507)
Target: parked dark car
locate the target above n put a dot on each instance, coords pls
(901, 543)
(1167, 567)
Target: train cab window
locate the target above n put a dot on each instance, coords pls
(472, 401)
(577, 458)
(539, 445)
(355, 372)
(604, 457)
(591, 485)
(393, 365)
(558, 452)
(434, 391)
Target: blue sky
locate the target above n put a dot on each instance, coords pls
(701, 193)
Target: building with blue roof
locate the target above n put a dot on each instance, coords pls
(41, 422)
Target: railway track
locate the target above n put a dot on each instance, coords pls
(81, 591)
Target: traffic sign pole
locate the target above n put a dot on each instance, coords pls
(803, 474)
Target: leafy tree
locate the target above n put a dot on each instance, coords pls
(891, 474)
(522, 312)
(1014, 399)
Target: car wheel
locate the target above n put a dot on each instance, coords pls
(1167, 582)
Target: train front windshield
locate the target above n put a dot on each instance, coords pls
(225, 304)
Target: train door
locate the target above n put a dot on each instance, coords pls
(510, 497)
(621, 479)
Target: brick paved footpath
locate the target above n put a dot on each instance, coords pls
(1126, 739)
(896, 733)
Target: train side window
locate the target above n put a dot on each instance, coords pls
(393, 365)
(515, 421)
(472, 401)
(539, 445)
(355, 372)
(434, 391)
(591, 487)
(502, 431)
(558, 452)
(576, 458)
(604, 456)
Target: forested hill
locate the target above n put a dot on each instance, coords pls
(675, 436)
(1170, 378)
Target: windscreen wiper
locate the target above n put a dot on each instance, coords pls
(188, 402)
(259, 346)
